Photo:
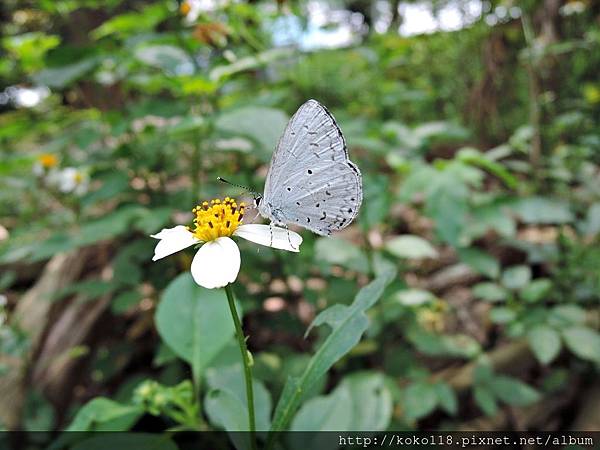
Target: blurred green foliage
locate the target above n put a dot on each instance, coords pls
(149, 105)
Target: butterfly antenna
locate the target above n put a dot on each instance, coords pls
(247, 189)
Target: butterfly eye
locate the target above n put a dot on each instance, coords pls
(257, 200)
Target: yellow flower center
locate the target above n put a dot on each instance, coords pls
(78, 178)
(185, 8)
(217, 219)
(48, 160)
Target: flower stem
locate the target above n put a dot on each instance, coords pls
(246, 360)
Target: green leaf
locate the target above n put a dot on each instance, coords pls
(516, 277)
(446, 398)
(168, 58)
(347, 323)
(341, 252)
(420, 399)
(545, 343)
(475, 157)
(502, 315)
(230, 379)
(195, 322)
(325, 413)
(225, 410)
(437, 133)
(60, 77)
(248, 63)
(490, 292)
(584, 342)
(458, 345)
(410, 246)
(541, 210)
(414, 297)
(263, 125)
(362, 402)
(567, 315)
(447, 205)
(536, 290)
(371, 401)
(131, 22)
(481, 261)
(103, 414)
(485, 399)
(512, 391)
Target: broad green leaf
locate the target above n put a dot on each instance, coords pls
(447, 205)
(584, 342)
(172, 60)
(103, 414)
(60, 77)
(536, 290)
(410, 246)
(480, 261)
(592, 221)
(347, 323)
(248, 63)
(417, 182)
(490, 292)
(513, 391)
(362, 402)
(567, 315)
(545, 343)
(341, 252)
(371, 401)
(516, 277)
(458, 345)
(263, 125)
(132, 22)
(195, 322)
(414, 297)
(502, 315)
(231, 379)
(325, 413)
(225, 410)
(485, 399)
(419, 399)
(436, 133)
(541, 210)
(446, 398)
(475, 157)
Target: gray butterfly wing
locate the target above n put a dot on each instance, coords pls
(311, 182)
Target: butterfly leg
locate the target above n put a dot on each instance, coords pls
(288, 236)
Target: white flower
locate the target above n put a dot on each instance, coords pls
(70, 180)
(217, 262)
(192, 9)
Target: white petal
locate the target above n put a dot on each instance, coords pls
(271, 236)
(172, 240)
(217, 263)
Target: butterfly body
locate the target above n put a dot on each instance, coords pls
(311, 181)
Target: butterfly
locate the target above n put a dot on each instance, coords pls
(311, 182)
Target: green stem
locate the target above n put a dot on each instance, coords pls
(246, 360)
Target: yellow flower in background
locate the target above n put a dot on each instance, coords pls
(217, 262)
(45, 163)
(185, 8)
(48, 160)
